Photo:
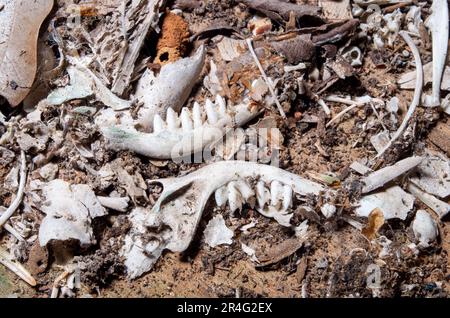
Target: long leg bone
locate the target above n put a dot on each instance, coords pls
(172, 222)
(178, 137)
(438, 24)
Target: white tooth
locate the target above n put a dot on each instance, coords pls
(211, 112)
(222, 105)
(197, 115)
(246, 191)
(186, 122)
(158, 124)
(234, 197)
(287, 197)
(276, 191)
(262, 194)
(221, 196)
(172, 119)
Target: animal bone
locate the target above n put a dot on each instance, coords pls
(7, 260)
(69, 213)
(380, 177)
(417, 92)
(170, 89)
(441, 208)
(18, 199)
(217, 233)
(438, 24)
(425, 228)
(172, 222)
(354, 56)
(177, 137)
(394, 202)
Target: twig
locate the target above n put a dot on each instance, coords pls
(18, 199)
(417, 92)
(266, 79)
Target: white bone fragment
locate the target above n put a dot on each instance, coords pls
(84, 83)
(7, 260)
(354, 56)
(114, 203)
(380, 140)
(434, 175)
(380, 177)
(328, 210)
(407, 80)
(417, 92)
(169, 89)
(69, 212)
(217, 233)
(245, 228)
(425, 229)
(360, 168)
(250, 252)
(18, 199)
(173, 221)
(438, 23)
(441, 208)
(169, 141)
(394, 202)
(413, 19)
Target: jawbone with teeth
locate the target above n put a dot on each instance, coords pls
(172, 222)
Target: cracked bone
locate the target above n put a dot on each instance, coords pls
(380, 177)
(69, 211)
(394, 202)
(438, 23)
(425, 228)
(179, 137)
(173, 221)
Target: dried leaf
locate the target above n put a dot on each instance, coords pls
(18, 44)
(375, 222)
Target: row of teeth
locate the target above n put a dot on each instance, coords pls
(214, 112)
(236, 193)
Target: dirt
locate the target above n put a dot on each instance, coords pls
(337, 259)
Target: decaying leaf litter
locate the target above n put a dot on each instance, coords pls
(104, 101)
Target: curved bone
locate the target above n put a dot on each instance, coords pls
(172, 222)
(417, 93)
(170, 89)
(180, 137)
